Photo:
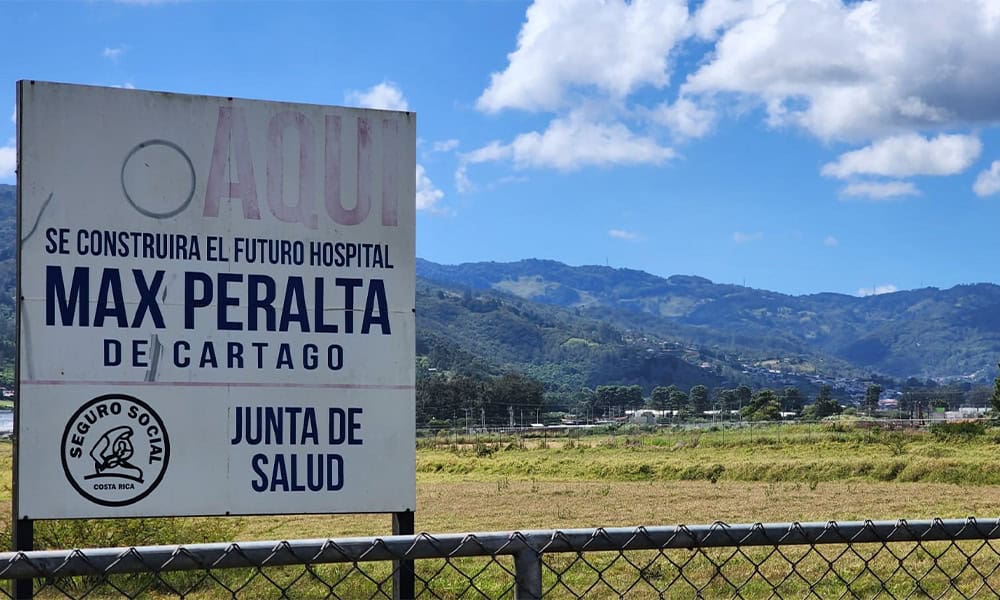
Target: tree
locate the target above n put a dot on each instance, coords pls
(513, 390)
(632, 396)
(763, 406)
(583, 402)
(791, 399)
(726, 402)
(443, 398)
(872, 395)
(659, 397)
(612, 399)
(607, 396)
(824, 406)
(743, 396)
(698, 400)
(678, 401)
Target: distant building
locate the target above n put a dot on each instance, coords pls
(643, 417)
(965, 413)
(888, 403)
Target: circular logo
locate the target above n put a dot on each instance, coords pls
(115, 450)
(158, 179)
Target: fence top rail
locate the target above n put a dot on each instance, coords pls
(64, 563)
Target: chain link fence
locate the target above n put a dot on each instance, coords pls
(866, 559)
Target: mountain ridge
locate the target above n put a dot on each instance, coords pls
(928, 332)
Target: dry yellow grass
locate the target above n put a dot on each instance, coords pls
(518, 505)
(492, 495)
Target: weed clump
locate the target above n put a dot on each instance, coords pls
(483, 450)
(957, 431)
(896, 441)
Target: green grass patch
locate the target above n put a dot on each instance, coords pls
(962, 456)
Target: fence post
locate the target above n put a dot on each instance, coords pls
(403, 575)
(528, 575)
(24, 540)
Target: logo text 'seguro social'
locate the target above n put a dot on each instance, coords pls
(216, 305)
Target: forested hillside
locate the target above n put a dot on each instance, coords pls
(484, 333)
(8, 272)
(952, 333)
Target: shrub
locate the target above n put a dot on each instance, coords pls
(715, 472)
(966, 430)
(483, 449)
(896, 441)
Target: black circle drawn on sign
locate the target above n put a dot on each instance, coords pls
(65, 436)
(149, 213)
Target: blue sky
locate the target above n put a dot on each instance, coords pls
(793, 145)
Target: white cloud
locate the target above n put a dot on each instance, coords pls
(113, 54)
(857, 70)
(572, 142)
(988, 181)
(831, 241)
(907, 155)
(444, 145)
(622, 234)
(462, 182)
(743, 238)
(128, 85)
(13, 116)
(911, 79)
(385, 96)
(612, 46)
(876, 190)
(567, 144)
(491, 152)
(8, 161)
(488, 153)
(427, 194)
(685, 118)
(887, 288)
(716, 15)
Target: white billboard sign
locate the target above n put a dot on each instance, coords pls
(216, 306)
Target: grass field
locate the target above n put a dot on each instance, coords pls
(776, 474)
(791, 473)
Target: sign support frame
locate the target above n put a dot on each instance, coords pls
(24, 541)
(403, 573)
(23, 530)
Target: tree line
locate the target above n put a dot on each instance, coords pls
(515, 399)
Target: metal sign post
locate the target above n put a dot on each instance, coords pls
(403, 574)
(24, 540)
